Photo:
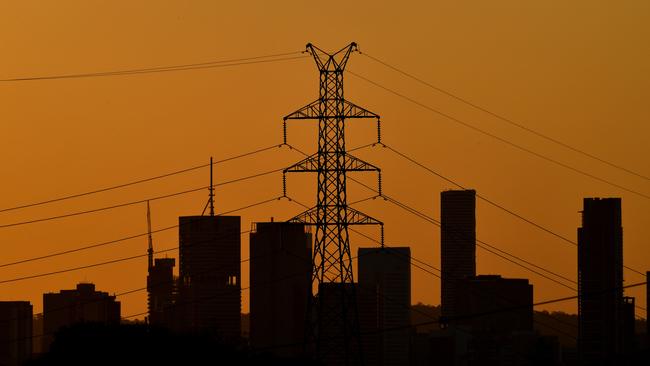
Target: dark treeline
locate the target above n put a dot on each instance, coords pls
(557, 323)
(99, 344)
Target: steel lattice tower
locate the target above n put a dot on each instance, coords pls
(332, 321)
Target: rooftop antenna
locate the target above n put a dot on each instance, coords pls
(150, 250)
(211, 190)
(211, 195)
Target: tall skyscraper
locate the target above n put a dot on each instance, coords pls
(280, 281)
(600, 281)
(15, 332)
(82, 304)
(457, 244)
(385, 281)
(210, 275)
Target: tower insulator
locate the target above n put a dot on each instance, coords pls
(379, 183)
(284, 132)
(378, 131)
(284, 184)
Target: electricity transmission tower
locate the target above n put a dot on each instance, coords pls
(332, 329)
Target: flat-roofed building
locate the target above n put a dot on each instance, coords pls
(385, 283)
(83, 304)
(210, 275)
(601, 334)
(280, 286)
(496, 305)
(161, 288)
(457, 244)
(15, 332)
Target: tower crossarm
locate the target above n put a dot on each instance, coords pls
(356, 217)
(353, 217)
(331, 62)
(311, 164)
(350, 110)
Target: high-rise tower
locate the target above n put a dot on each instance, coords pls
(334, 330)
(457, 244)
(280, 284)
(600, 281)
(209, 286)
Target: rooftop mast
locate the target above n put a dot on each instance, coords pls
(150, 250)
(211, 190)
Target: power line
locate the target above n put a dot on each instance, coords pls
(114, 241)
(512, 308)
(485, 246)
(505, 119)
(482, 198)
(96, 245)
(412, 258)
(481, 244)
(128, 292)
(409, 326)
(124, 258)
(301, 273)
(79, 249)
(184, 67)
(500, 139)
(222, 236)
(531, 222)
(137, 201)
(489, 248)
(144, 180)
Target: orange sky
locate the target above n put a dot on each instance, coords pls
(578, 71)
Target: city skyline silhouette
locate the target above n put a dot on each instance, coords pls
(531, 121)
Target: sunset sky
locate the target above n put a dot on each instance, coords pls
(577, 71)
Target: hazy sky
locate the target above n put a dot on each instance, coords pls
(578, 71)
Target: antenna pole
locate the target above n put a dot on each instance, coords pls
(150, 250)
(211, 190)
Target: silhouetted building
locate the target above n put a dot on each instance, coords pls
(280, 285)
(492, 304)
(371, 339)
(210, 275)
(385, 282)
(457, 244)
(15, 332)
(82, 304)
(629, 324)
(436, 348)
(161, 292)
(647, 310)
(513, 349)
(37, 332)
(497, 315)
(600, 282)
(334, 331)
(139, 344)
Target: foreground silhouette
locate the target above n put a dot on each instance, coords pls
(99, 344)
